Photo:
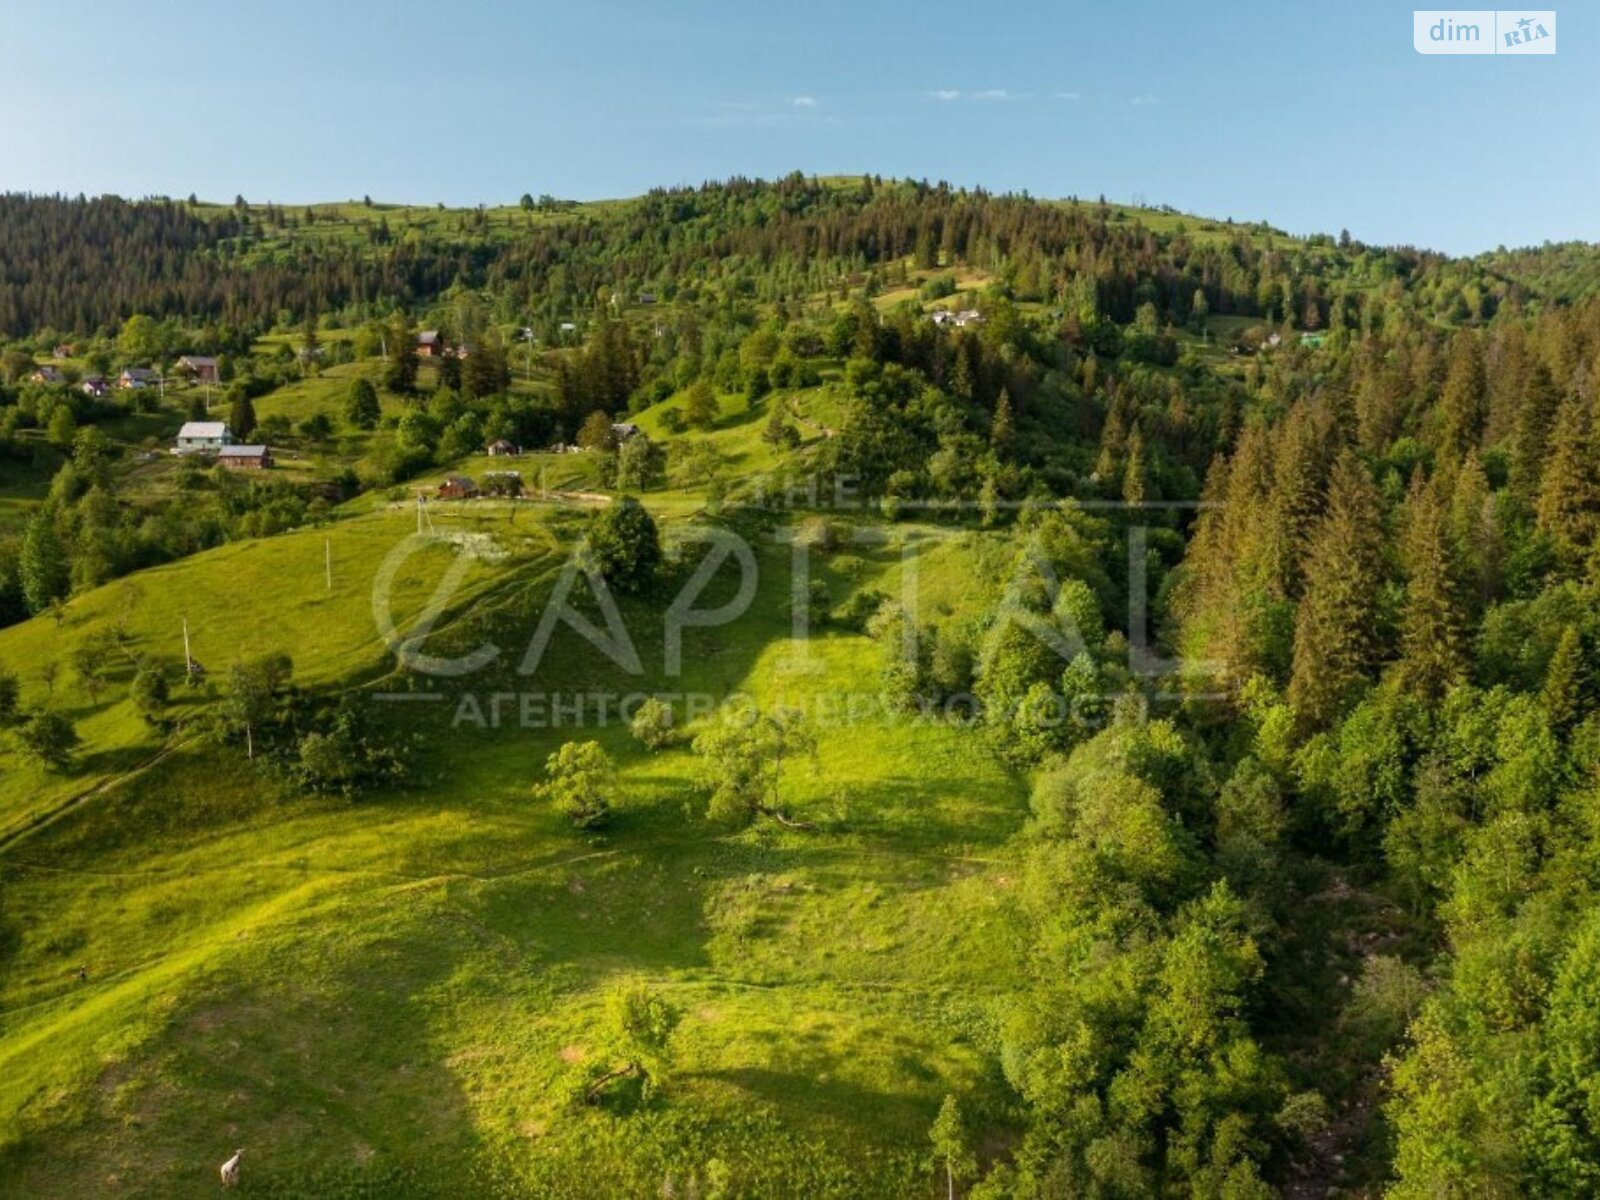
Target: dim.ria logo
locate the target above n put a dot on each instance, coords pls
(1484, 31)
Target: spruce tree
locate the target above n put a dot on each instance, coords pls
(1568, 492)
(1463, 402)
(1566, 682)
(1335, 640)
(1529, 440)
(1433, 653)
(242, 416)
(400, 375)
(1002, 433)
(1134, 478)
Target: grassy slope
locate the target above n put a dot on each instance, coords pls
(334, 987)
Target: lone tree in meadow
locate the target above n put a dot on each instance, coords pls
(626, 545)
(49, 738)
(150, 693)
(700, 407)
(361, 407)
(250, 696)
(951, 1152)
(636, 1033)
(580, 783)
(742, 759)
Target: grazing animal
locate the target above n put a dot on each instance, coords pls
(230, 1170)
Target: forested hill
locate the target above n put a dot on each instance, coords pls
(81, 266)
(1305, 903)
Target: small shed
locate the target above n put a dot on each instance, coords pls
(457, 487)
(245, 458)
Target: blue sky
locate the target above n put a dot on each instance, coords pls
(1313, 116)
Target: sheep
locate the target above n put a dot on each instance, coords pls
(230, 1170)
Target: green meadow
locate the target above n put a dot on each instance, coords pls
(383, 995)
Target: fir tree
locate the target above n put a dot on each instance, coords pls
(1335, 642)
(1530, 439)
(400, 375)
(1462, 404)
(242, 416)
(1134, 478)
(1002, 432)
(1568, 491)
(1566, 682)
(1433, 654)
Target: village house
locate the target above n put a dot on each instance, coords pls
(94, 385)
(457, 487)
(245, 458)
(135, 378)
(203, 437)
(200, 367)
(47, 375)
(62, 351)
(500, 448)
(624, 431)
(430, 344)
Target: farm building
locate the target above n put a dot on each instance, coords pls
(47, 375)
(457, 487)
(94, 385)
(430, 344)
(245, 458)
(201, 368)
(135, 378)
(202, 437)
(624, 431)
(500, 448)
(62, 351)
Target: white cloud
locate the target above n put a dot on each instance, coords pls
(992, 94)
(805, 102)
(1066, 95)
(945, 94)
(1144, 99)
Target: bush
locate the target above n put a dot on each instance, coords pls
(652, 723)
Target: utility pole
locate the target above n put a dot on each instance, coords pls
(188, 658)
(327, 560)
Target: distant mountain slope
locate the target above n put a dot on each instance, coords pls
(76, 265)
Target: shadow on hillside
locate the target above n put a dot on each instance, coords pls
(821, 1095)
(319, 1053)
